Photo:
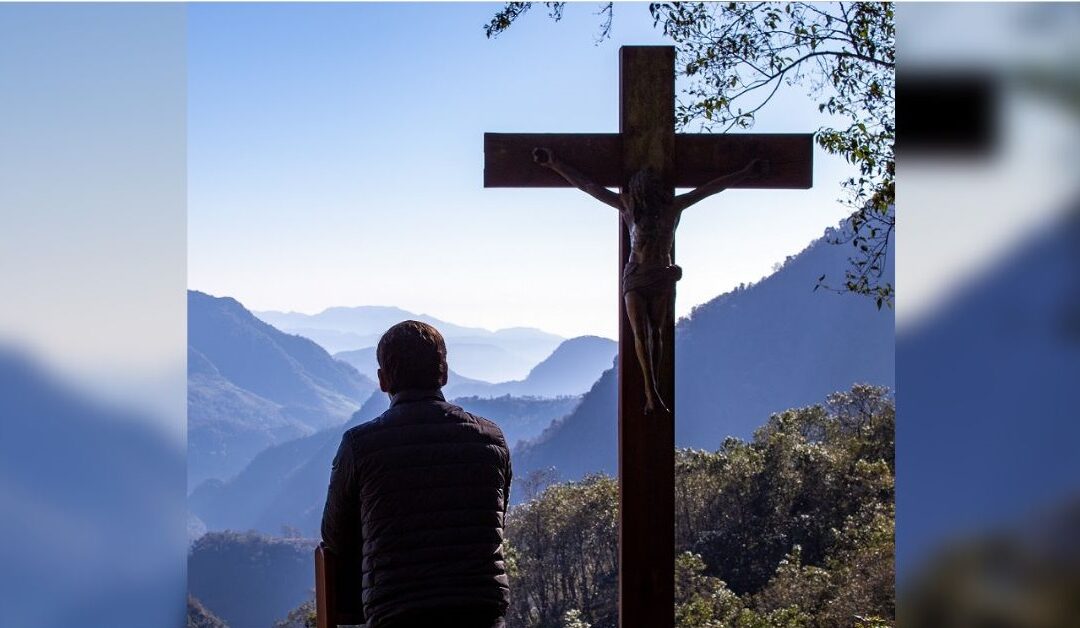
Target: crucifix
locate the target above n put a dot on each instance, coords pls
(647, 160)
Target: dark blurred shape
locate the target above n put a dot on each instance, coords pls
(953, 113)
(988, 480)
(1025, 576)
(250, 580)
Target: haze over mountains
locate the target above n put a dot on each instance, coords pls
(251, 386)
(748, 353)
(476, 353)
(756, 350)
(267, 410)
(570, 370)
(285, 485)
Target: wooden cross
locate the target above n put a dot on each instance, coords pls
(647, 138)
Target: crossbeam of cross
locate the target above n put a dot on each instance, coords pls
(647, 139)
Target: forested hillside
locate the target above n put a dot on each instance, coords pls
(791, 529)
(250, 580)
(745, 354)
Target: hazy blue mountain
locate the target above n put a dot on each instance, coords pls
(376, 404)
(475, 352)
(361, 320)
(530, 415)
(251, 386)
(198, 616)
(570, 370)
(286, 484)
(365, 361)
(520, 418)
(988, 397)
(238, 502)
(492, 361)
(250, 580)
(756, 350)
(91, 500)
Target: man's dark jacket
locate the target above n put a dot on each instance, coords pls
(416, 501)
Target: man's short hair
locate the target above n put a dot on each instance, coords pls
(412, 354)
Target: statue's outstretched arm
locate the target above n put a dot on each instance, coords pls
(755, 168)
(546, 158)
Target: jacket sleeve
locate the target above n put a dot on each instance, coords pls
(341, 528)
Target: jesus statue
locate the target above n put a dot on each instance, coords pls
(651, 214)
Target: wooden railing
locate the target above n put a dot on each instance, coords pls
(328, 609)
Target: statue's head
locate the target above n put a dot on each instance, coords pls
(648, 192)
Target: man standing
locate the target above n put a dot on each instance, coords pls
(417, 499)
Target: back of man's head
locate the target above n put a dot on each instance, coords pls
(411, 355)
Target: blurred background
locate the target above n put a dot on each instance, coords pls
(92, 321)
(92, 327)
(987, 346)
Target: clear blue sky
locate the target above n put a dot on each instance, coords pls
(335, 157)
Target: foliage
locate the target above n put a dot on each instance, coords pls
(250, 579)
(302, 616)
(1024, 572)
(198, 616)
(563, 553)
(737, 55)
(793, 529)
(573, 619)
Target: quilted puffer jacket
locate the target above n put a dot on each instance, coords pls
(416, 505)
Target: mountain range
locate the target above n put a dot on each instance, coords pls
(756, 350)
(474, 352)
(285, 485)
(251, 386)
(570, 370)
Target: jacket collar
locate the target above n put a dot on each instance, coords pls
(416, 394)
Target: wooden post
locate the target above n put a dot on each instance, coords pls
(325, 604)
(646, 443)
(330, 609)
(647, 138)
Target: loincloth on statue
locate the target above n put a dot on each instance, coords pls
(648, 278)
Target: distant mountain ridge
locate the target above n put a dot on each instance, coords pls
(477, 353)
(251, 386)
(753, 351)
(286, 484)
(570, 370)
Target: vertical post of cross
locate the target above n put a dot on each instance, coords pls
(647, 138)
(646, 443)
